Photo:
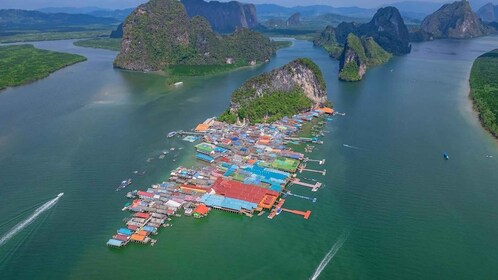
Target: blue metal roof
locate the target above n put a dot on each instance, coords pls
(204, 157)
(114, 242)
(125, 231)
(214, 200)
(149, 229)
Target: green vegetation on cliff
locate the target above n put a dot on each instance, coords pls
(159, 34)
(270, 107)
(350, 72)
(376, 55)
(285, 91)
(21, 64)
(113, 44)
(358, 54)
(484, 89)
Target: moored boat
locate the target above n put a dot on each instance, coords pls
(171, 134)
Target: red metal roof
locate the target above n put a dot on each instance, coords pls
(238, 190)
(120, 237)
(195, 188)
(142, 193)
(142, 215)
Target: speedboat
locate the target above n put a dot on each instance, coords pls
(446, 156)
(171, 134)
(61, 194)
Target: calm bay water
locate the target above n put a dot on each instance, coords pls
(409, 213)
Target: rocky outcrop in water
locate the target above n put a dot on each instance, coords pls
(224, 17)
(292, 88)
(488, 12)
(358, 54)
(387, 28)
(455, 20)
(160, 33)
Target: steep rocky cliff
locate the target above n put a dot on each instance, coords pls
(488, 12)
(358, 54)
(224, 17)
(455, 20)
(292, 88)
(293, 20)
(118, 32)
(327, 39)
(160, 33)
(387, 28)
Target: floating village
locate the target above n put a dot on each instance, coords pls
(244, 169)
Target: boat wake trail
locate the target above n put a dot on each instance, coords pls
(20, 226)
(330, 255)
(352, 147)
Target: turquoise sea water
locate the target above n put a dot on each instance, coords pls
(409, 213)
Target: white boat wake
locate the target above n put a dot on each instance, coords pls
(330, 255)
(20, 226)
(352, 147)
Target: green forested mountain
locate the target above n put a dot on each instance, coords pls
(160, 34)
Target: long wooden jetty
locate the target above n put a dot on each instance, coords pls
(181, 132)
(320, 161)
(313, 188)
(303, 168)
(305, 215)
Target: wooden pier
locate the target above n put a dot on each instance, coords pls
(181, 132)
(320, 161)
(305, 215)
(313, 188)
(303, 168)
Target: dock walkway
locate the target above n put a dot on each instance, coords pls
(313, 188)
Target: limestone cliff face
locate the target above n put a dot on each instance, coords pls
(302, 74)
(352, 65)
(351, 59)
(358, 54)
(455, 20)
(224, 17)
(388, 29)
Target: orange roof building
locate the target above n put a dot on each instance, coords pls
(326, 110)
(137, 237)
(202, 127)
(201, 211)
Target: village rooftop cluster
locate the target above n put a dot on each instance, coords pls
(245, 170)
